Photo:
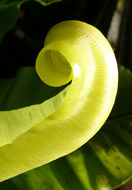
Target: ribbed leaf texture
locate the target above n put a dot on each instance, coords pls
(104, 162)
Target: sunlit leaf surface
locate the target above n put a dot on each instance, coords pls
(101, 164)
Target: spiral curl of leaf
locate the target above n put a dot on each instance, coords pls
(74, 51)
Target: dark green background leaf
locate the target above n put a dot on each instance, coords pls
(103, 163)
(123, 105)
(47, 2)
(8, 16)
(9, 11)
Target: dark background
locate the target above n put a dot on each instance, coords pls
(21, 45)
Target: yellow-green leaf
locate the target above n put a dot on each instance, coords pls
(33, 136)
(103, 163)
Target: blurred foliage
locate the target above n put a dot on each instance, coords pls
(8, 15)
(9, 12)
(47, 2)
